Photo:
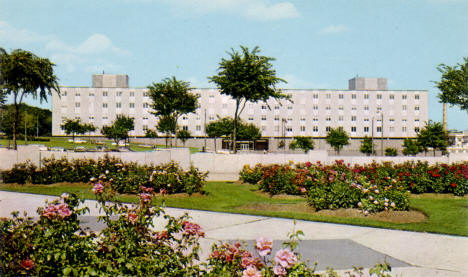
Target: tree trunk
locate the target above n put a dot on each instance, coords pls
(214, 144)
(15, 125)
(234, 133)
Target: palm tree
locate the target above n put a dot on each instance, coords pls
(23, 73)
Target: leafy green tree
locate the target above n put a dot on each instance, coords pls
(224, 127)
(433, 136)
(151, 133)
(38, 120)
(73, 127)
(392, 152)
(454, 84)
(246, 77)
(119, 129)
(183, 135)
(168, 125)
(248, 131)
(411, 147)
(337, 138)
(304, 143)
(23, 73)
(172, 98)
(367, 146)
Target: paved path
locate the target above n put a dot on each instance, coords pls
(334, 245)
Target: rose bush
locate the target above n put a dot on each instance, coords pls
(126, 177)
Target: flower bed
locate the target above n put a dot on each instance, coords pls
(373, 187)
(124, 177)
(56, 245)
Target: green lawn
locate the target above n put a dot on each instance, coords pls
(445, 214)
(63, 142)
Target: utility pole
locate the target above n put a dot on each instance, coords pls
(372, 139)
(205, 129)
(25, 133)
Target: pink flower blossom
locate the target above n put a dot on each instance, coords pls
(145, 197)
(98, 188)
(279, 270)
(56, 210)
(132, 217)
(192, 229)
(303, 189)
(147, 189)
(163, 191)
(285, 258)
(264, 246)
(251, 271)
(27, 264)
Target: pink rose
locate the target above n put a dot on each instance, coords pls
(98, 188)
(285, 258)
(279, 270)
(27, 264)
(251, 271)
(132, 217)
(192, 228)
(264, 246)
(145, 197)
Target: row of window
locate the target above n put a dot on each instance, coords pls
(105, 93)
(118, 105)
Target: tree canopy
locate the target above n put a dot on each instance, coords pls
(453, 84)
(183, 135)
(171, 98)
(246, 77)
(23, 73)
(304, 143)
(367, 146)
(119, 129)
(337, 138)
(432, 136)
(224, 127)
(411, 147)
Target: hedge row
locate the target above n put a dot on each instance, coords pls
(124, 177)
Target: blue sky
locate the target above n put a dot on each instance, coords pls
(316, 43)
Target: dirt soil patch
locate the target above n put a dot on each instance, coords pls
(386, 216)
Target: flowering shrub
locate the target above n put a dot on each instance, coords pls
(251, 175)
(125, 177)
(56, 244)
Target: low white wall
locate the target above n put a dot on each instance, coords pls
(221, 166)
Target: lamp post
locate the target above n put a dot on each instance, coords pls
(372, 139)
(381, 139)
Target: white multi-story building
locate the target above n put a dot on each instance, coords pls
(366, 109)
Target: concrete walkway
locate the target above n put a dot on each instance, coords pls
(334, 245)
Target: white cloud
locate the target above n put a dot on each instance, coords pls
(10, 34)
(262, 10)
(333, 29)
(93, 45)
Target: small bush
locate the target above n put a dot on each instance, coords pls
(392, 152)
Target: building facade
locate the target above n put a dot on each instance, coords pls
(367, 108)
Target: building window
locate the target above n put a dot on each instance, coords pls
(91, 94)
(145, 118)
(185, 128)
(340, 118)
(77, 104)
(104, 93)
(264, 107)
(404, 96)
(104, 105)
(341, 96)
(416, 96)
(303, 119)
(315, 119)
(328, 129)
(264, 128)
(277, 107)
(366, 96)
(403, 129)
(132, 105)
(119, 93)
(328, 119)
(303, 128)
(392, 97)
(379, 108)
(211, 117)
(290, 107)
(328, 96)
(145, 94)
(353, 129)
(353, 108)
(132, 93)
(327, 108)
(264, 117)
(145, 105)
(77, 94)
(416, 129)
(403, 107)
(315, 128)
(416, 120)
(353, 118)
(64, 93)
(366, 129)
(366, 108)
(145, 127)
(118, 105)
(416, 108)
(366, 119)
(91, 118)
(379, 96)
(315, 95)
(198, 128)
(276, 118)
(184, 117)
(379, 129)
(340, 108)
(251, 118)
(392, 120)
(289, 129)
(392, 129)
(104, 118)
(353, 96)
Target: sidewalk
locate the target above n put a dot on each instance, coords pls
(334, 245)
